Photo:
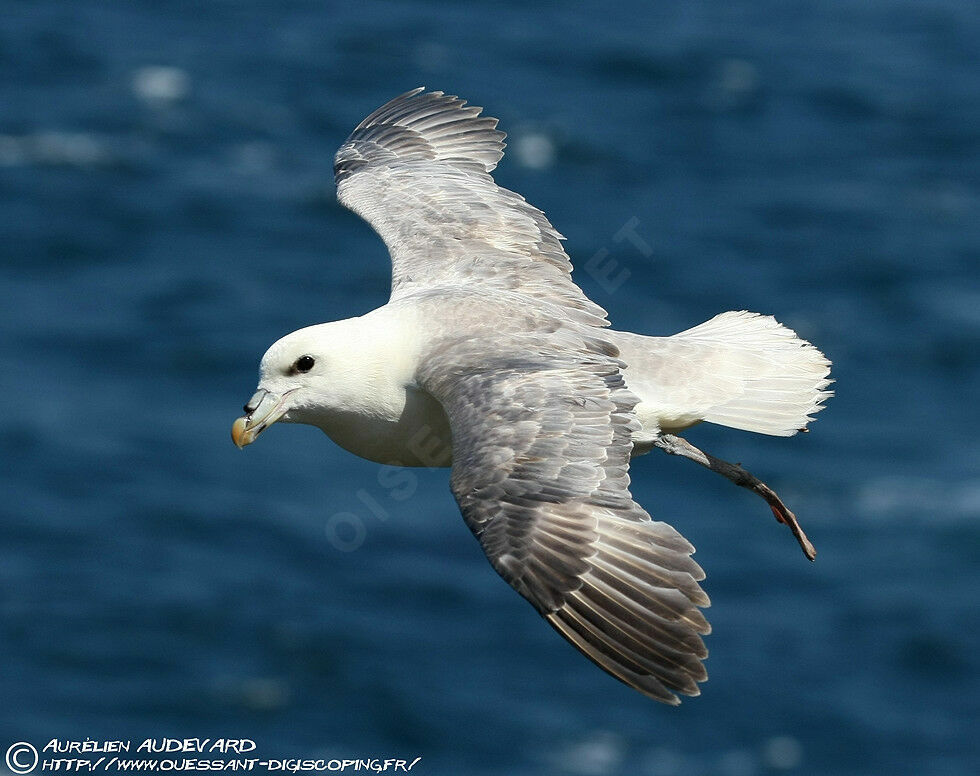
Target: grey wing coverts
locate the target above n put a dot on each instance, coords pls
(540, 458)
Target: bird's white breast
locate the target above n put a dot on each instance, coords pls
(412, 431)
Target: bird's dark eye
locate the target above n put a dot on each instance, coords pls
(304, 363)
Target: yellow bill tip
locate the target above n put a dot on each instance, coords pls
(238, 435)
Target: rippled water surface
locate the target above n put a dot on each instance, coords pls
(167, 211)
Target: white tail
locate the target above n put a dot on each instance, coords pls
(781, 378)
(740, 369)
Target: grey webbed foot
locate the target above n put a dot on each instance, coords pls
(676, 445)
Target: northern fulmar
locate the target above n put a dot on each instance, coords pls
(489, 359)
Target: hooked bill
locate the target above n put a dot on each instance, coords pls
(238, 431)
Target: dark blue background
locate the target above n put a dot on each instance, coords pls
(167, 211)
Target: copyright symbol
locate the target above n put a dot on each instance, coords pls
(21, 758)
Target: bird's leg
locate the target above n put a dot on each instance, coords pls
(677, 446)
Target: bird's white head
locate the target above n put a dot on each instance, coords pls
(308, 376)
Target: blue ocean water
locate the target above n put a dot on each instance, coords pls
(167, 211)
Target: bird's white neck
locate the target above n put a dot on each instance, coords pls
(371, 406)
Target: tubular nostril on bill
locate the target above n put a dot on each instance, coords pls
(253, 404)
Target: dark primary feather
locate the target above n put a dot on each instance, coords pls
(421, 125)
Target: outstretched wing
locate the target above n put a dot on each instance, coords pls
(541, 449)
(418, 170)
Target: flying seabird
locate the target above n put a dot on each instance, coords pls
(488, 358)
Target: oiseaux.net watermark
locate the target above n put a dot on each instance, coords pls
(165, 755)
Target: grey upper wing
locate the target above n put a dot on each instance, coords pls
(541, 449)
(418, 170)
